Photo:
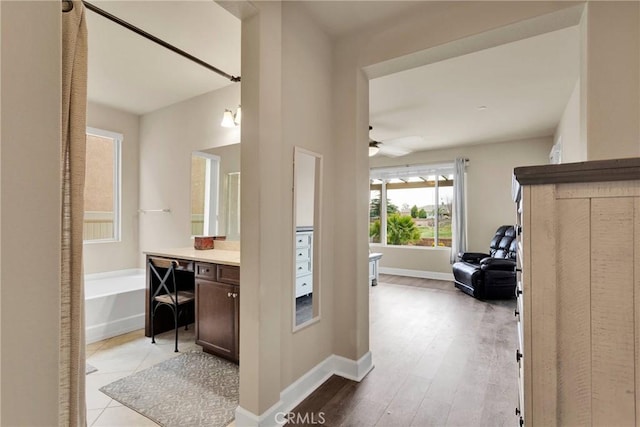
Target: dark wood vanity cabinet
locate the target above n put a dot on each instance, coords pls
(217, 309)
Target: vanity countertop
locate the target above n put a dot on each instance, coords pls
(215, 256)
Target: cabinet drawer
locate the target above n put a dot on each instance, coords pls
(228, 274)
(302, 254)
(205, 271)
(304, 285)
(303, 240)
(302, 268)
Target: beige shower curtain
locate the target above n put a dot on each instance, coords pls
(72, 407)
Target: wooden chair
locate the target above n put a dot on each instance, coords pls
(167, 293)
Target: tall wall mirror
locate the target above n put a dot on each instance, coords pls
(215, 192)
(307, 182)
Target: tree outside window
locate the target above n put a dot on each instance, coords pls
(418, 208)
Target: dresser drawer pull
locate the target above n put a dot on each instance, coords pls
(519, 230)
(517, 411)
(521, 421)
(518, 292)
(518, 356)
(229, 294)
(516, 312)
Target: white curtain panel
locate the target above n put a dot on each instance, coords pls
(72, 407)
(459, 241)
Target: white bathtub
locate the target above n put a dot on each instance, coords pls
(114, 303)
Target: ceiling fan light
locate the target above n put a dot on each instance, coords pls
(227, 119)
(373, 150)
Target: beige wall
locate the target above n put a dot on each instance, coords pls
(306, 95)
(489, 202)
(30, 212)
(286, 90)
(568, 130)
(610, 66)
(265, 226)
(108, 256)
(167, 139)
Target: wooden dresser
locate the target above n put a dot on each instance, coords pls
(578, 290)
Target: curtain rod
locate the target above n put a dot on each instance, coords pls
(68, 6)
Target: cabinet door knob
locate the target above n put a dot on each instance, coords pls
(517, 411)
(516, 312)
(235, 295)
(518, 356)
(228, 294)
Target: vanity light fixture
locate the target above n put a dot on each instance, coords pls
(230, 120)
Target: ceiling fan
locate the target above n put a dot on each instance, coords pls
(395, 147)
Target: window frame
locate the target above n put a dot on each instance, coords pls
(117, 181)
(385, 174)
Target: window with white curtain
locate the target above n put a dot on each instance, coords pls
(411, 205)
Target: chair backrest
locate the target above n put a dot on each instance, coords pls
(504, 243)
(166, 282)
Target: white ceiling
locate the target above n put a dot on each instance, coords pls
(339, 18)
(525, 85)
(131, 73)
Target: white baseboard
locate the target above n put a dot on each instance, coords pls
(114, 328)
(417, 273)
(303, 387)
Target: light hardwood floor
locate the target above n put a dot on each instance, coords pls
(441, 358)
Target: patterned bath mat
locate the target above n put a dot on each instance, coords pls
(193, 389)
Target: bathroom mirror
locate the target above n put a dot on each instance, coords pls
(307, 181)
(215, 192)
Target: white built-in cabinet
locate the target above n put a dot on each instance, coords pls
(304, 262)
(578, 305)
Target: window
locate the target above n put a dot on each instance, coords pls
(411, 205)
(102, 187)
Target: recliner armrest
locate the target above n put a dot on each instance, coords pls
(497, 264)
(472, 257)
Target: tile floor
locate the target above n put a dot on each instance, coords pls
(119, 357)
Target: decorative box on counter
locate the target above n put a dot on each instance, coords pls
(206, 242)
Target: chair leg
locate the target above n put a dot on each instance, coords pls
(153, 335)
(175, 317)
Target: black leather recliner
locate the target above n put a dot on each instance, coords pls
(492, 275)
